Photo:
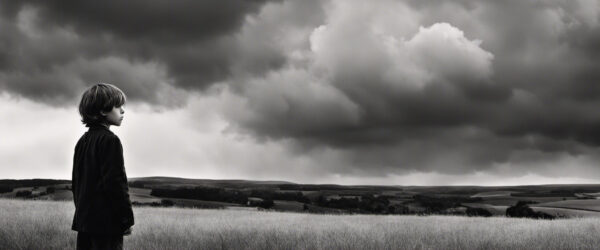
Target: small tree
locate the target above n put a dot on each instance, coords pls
(477, 211)
(167, 203)
(321, 200)
(23, 193)
(266, 203)
(6, 189)
(522, 210)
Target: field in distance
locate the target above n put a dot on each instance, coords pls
(564, 201)
(36, 224)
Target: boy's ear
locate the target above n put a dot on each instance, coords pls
(102, 113)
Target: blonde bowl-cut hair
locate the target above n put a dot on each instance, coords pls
(99, 97)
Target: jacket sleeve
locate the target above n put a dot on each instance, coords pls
(75, 176)
(113, 181)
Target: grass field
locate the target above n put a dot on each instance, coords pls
(30, 224)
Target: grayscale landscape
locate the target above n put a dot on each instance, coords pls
(302, 216)
(313, 124)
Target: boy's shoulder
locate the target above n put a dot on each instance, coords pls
(101, 134)
(99, 141)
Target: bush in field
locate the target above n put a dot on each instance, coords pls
(24, 193)
(521, 210)
(50, 190)
(162, 203)
(341, 203)
(284, 196)
(202, 193)
(266, 203)
(136, 184)
(4, 189)
(167, 203)
(477, 211)
(368, 204)
(438, 205)
(374, 204)
(398, 209)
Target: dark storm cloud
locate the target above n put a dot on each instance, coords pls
(187, 35)
(375, 90)
(389, 84)
(182, 44)
(163, 21)
(370, 88)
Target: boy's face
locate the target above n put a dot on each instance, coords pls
(115, 116)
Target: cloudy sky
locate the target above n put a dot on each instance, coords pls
(352, 92)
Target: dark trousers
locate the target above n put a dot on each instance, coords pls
(99, 241)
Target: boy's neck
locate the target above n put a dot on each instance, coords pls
(102, 125)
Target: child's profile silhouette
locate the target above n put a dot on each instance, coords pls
(103, 212)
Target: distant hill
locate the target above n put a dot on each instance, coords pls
(556, 200)
(203, 181)
(162, 182)
(16, 183)
(239, 183)
(175, 182)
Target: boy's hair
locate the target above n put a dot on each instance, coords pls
(100, 97)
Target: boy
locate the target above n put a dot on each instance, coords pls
(103, 212)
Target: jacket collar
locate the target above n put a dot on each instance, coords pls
(98, 127)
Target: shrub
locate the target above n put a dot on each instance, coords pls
(5, 189)
(136, 184)
(477, 211)
(267, 203)
(202, 193)
(167, 203)
(398, 209)
(285, 196)
(521, 210)
(23, 193)
(436, 204)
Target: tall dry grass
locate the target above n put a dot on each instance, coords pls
(46, 225)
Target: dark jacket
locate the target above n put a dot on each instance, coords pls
(100, 190)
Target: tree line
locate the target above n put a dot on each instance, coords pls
(227, 195)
